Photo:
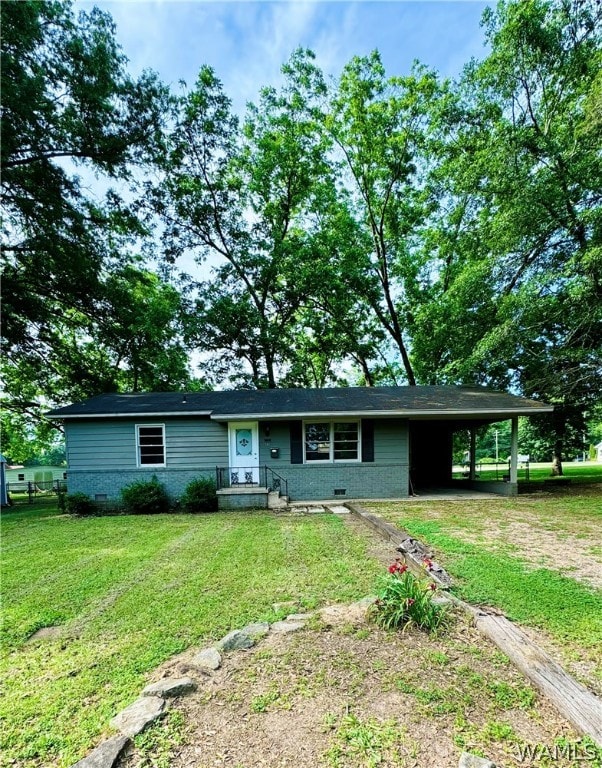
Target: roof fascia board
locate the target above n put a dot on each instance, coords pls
(122, 415)
(408, 413)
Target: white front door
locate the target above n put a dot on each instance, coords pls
(244, 452)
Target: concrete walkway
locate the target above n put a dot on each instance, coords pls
(430, 494)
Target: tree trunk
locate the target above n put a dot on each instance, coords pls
(557, 461)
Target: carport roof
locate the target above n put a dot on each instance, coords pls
(428, 402)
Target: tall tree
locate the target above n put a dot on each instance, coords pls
(69, 107)
(248, 197)
(67, 102)
(379, 126)
(520, 247)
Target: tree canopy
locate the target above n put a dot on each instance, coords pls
(373, 228)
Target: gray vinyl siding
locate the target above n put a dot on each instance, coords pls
(390, 441)
(385, 477)
(107, 444)
(279, 437)
(196, 442)
(102, 458)
(100, 444)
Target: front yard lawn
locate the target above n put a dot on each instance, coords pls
(538, 558)
(126, 593)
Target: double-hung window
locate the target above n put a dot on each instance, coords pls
(150, 439)
(332, 441)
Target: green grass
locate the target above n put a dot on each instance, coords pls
(129, 592)
(489, 573)
(576, 472)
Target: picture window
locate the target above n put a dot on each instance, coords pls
(332, 441)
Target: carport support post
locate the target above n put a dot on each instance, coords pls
(472, 471)
(514, 451)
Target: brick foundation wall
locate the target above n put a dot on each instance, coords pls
(110, 482)
(305, 482)
(359, 481)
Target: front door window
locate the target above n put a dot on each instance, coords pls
(244, 453)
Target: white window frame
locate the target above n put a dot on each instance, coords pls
(139, 464)
(331, 459)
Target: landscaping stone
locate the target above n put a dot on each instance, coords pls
(256, 631)
(298, 617)
(105, 755)
(473, 761)
(170, 686)
(286, 627)
(208, 658)
(237, 640)
(134, 719)
(339, 510)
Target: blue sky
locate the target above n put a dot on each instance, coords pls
(247, 42)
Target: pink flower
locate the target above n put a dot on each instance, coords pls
(432, 586)
(428, 564)
(398, 568)
(411, 601)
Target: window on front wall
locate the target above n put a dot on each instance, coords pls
(151, 445)
(332, 441)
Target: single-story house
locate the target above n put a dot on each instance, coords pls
(306, 444)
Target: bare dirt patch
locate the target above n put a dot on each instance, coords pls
(541, 547)
(343, 693)
(45, 633)
(539, 529)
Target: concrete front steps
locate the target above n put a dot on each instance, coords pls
(250, 497)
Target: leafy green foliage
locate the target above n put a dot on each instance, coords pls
(73, 309)
(517, 243)
(79, 504)
(145, 497)
(200, 496)
(403, 600)
(371, 230)
(491, 571)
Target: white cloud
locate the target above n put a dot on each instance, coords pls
(247, 42)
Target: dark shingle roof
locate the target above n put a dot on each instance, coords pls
(282, 403)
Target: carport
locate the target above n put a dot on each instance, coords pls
(431, 452)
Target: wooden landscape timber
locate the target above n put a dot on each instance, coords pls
(578, 705)
(416, 556)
